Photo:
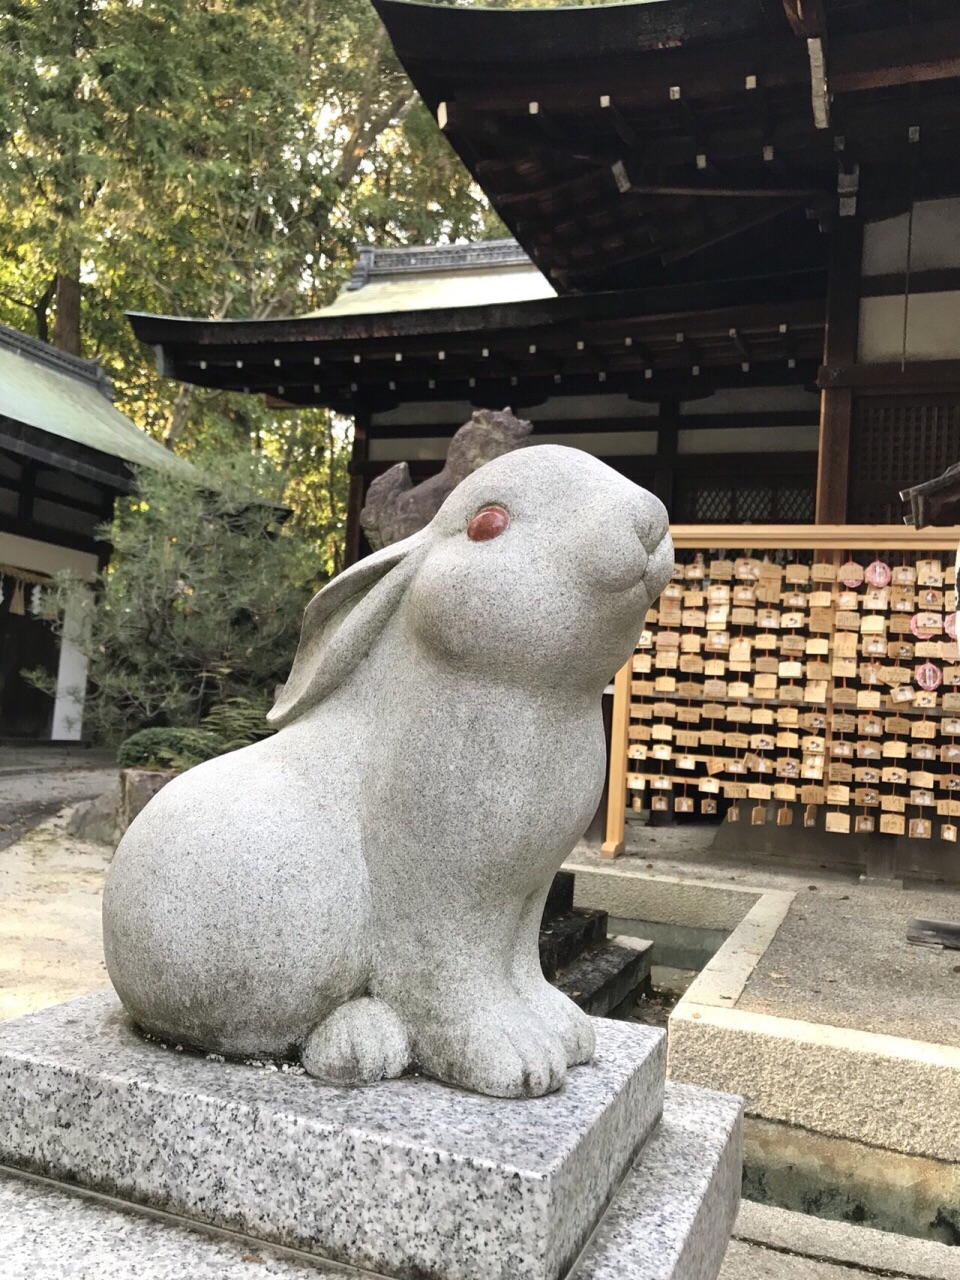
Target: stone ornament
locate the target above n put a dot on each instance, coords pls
(363, 890)
(396, 508)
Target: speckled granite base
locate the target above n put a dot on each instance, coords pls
(404, 1178)
(671, 1220)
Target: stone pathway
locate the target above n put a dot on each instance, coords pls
(36, 782)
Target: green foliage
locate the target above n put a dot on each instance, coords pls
(216, 159)
(238, 722)
(230, 725)
(201, 604)
(167, 749)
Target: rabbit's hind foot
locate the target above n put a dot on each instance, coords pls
(361, 1042)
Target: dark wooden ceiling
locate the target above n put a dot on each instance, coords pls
(684, 340)
(651, 143)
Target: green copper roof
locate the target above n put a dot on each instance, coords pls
(426, 277)
(67, 397)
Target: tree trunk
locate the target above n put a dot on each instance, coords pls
(179, 415)
(66, 325)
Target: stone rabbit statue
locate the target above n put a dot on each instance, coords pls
(363, 890)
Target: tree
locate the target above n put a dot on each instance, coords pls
(190, 157)
(201, 603)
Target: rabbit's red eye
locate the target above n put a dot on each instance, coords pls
(488, 523)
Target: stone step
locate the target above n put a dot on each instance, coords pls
(566, 936)
(370, 1177)
(669, 1220)
(560, 897)
(604, 980)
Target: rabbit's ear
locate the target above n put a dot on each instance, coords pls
(341, 624)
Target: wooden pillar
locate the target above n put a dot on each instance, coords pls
(668, 423)
(358, 479)
(614, 844)
(839, 350)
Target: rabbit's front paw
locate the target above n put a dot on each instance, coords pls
(361, 1042)
(504, 1050)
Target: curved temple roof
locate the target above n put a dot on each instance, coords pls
(647, 143)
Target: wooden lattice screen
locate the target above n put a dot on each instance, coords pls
(898, 441)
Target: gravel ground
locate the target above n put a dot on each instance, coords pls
(36, 783)
(50, 945)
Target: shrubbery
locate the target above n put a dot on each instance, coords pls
(199, 608)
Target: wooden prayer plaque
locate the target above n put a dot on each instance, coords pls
(893, 804)
(721, 569)
(738, 714)
(788, 717)
(787, 767)
(693, 618)
(660, 804)
(710, 786)
(693, 600)
(838, 822)
(683, 804)
(791, 693)
(714, 666)
(869, 797)
(817, 670)
(900, 694)
(820, 600)
(735, 790)
(894, 774)
(691, 664)
(636, 781)
(892, 824)
(766, 640)
(864, 823)
(867, 700)
(795, 644)
(742, 617)
(868, 749)
(787, 740)
(824, 572)
(951, 702)
(761, 715)
(841, 750)
(813, 795)
(842, 722)
(948, 831)
(767, 664)
(920, 828)
(759, 791)
(711, 738)
(785, 791)
(738, 689)
(868, 774)
(816, 691)
(894, 749)
(689, 689)
(838, 793)
(844, 645)
(708, 806)
(822, 620)
(796, 573)
(665, 684)
(948, 808)
(662, 733)
(921, 798)
(844, 668)
(924, 729)
(687, 739)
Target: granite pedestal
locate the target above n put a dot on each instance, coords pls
(406, 1179)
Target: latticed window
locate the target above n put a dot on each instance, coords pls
(896, 442)
(750, 489)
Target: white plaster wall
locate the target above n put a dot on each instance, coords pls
(569, 408)
(755, 400)
(936, 239)
(933, 327)
(45, 557)
(602, 444)
(749, 440)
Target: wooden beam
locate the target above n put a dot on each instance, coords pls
(814, 537)
(667, 445)
(840, 344)
(614, 843)
(919, 376)
(358, 463)
(805, 17)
